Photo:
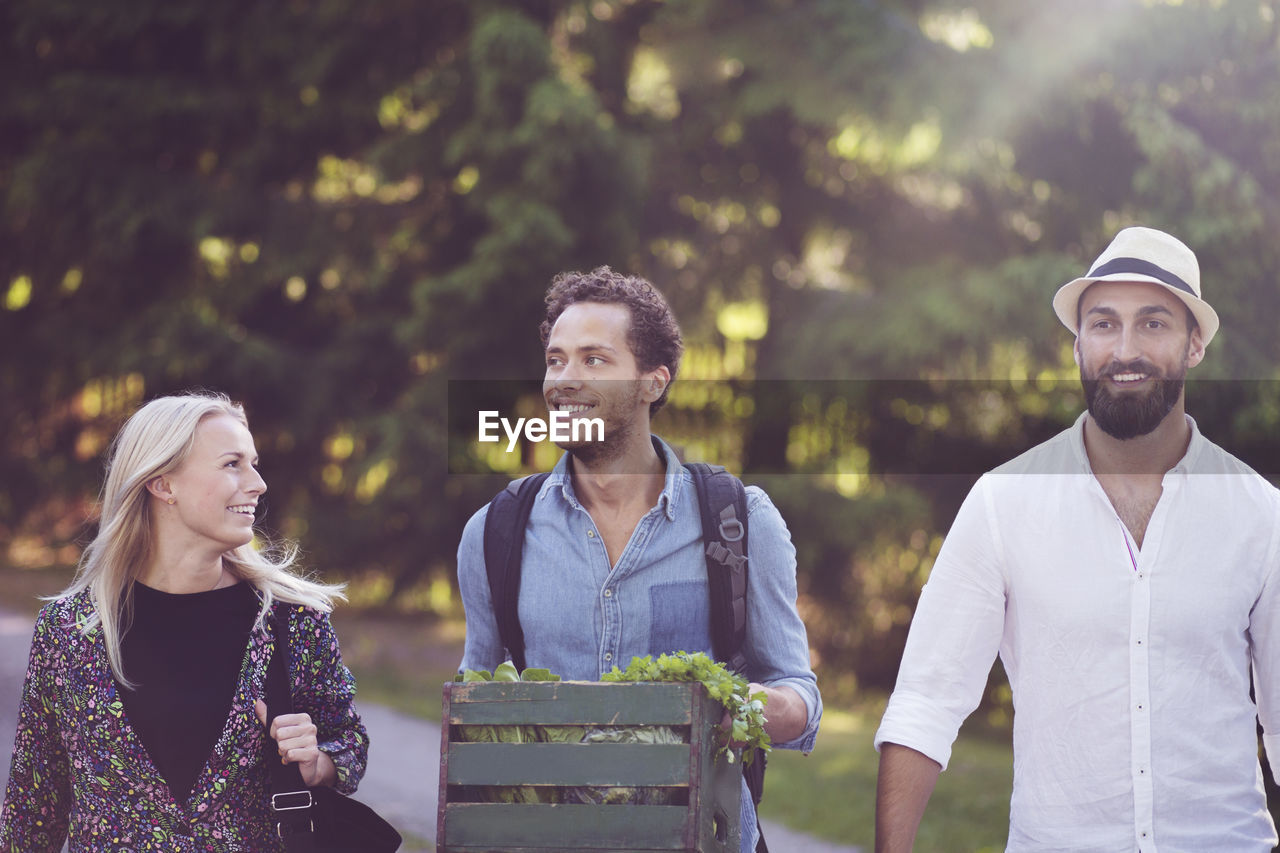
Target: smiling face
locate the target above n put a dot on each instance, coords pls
(216, 489)
(592, 373)
(1134, 348)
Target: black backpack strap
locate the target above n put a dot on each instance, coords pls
(723, 505)
(504, 527)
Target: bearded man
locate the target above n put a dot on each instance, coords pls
(1126, 571)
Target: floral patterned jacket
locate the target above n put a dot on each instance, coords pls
(80, 772)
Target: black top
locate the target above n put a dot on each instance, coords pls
(184, 653)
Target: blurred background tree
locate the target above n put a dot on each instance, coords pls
(345, 214)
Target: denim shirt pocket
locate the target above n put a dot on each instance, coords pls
(679, 617)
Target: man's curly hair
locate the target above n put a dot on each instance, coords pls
(654, 335)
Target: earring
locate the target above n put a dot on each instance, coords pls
(172, 501)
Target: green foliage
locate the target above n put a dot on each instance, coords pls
(346, 214)
(745, 709)
(311, 206)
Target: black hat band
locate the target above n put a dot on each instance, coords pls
(1137, 265)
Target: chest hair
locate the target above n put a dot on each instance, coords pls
(1133, 501)
(615, 530)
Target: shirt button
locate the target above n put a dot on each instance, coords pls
(608, 593)
(591, 534)
(1139, 707)
(608, 655)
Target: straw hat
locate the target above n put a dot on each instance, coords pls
(1147, 255)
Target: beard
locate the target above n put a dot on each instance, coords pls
(591, 453)
(616, 407)
(1128, 415)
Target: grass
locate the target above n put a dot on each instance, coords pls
(830, 793)
(20, 589)
(401, 661)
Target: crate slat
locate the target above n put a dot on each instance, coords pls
(552, 703)
(610, 764)
(566, 827)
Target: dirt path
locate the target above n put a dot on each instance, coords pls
(15, 640)
(403, 776)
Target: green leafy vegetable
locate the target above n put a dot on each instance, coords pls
(745, 709)
(506, 671)
(625, 795)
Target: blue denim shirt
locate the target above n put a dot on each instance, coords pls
(581, 616)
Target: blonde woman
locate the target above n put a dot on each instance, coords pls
(142, 725)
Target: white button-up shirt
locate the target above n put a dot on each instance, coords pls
(1130, 668)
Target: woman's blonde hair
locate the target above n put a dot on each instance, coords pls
(154, 442)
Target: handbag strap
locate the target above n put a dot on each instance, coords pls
(291, 800)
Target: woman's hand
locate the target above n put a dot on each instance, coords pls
(295, 737)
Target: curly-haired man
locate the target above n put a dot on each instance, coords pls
(613, 561)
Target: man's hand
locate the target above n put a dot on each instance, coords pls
(785, 714)
(295, 737)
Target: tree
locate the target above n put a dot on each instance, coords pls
(346, 215)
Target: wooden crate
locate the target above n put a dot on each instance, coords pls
(706, 789)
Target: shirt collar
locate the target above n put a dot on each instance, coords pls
(1184, 466)
(1077, 444)
(1194, 447)
(668, 500)
(675, 478)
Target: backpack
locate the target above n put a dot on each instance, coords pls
(723, 506)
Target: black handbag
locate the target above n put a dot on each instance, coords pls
(315, 820)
